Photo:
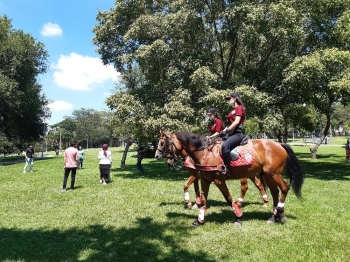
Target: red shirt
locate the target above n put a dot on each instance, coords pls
(237, 111)
(217, 126)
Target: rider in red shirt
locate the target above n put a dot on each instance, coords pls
(217, 124)
(234, 129)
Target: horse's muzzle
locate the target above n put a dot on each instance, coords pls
(158, 157)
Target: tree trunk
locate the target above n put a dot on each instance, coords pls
(313, 150)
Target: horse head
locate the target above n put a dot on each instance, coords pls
(168, 146)
(162, 145)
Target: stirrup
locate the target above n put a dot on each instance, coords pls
(225, 171)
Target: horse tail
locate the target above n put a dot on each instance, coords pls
(294, 170)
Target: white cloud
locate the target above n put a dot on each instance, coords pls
(79, 72)
(50, 29)
(60, 105)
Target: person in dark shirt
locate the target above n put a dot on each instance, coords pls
(29, 154)
(140, 152)
(347, 150)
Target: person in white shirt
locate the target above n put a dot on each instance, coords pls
(105, 157)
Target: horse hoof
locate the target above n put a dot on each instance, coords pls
(265, 204)
(195, 206)
(238, 223)
(188, 205)
(282, 218)
(197, 223)
(239, 203)
(271, 220)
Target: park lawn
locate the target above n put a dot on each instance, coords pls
(141, 216)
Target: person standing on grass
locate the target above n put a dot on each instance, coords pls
(105, 157)
(29, 154)
(347, 150)
(140, 152)
(81, 157)
(71, 162)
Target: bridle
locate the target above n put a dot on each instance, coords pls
(168, 141)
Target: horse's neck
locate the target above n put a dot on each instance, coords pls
(207, 156)
(190, 151)
(193, 153)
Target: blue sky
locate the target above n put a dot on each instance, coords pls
(76, 77)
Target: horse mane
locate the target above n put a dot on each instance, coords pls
(197, 141)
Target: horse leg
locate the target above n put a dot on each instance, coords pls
(260, 187)
(190, 180)
(198, 203)
(244, 188)
(226, 193)
(205, 184)
(274, 183)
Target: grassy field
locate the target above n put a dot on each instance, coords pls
(141, 217)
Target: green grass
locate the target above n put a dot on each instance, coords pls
(141, 217)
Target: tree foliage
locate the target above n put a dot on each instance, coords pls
(323, 80)
(206, 49)
(22, 103)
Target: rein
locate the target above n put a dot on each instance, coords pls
(172, 144)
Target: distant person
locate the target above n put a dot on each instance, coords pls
(29, 154)
(140, 153)
(347, 150)
(71, 162)
(81, 155)
(105, 157)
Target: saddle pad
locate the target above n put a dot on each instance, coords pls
(246, 155)
(188, 164)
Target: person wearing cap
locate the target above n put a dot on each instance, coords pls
(217, 124)
(234, 130)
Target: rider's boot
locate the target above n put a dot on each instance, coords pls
(227, 160)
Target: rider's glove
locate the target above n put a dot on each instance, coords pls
(223, 133)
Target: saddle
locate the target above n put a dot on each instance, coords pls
(243, 155)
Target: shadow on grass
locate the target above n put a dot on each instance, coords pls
(147, 241)
(152, 170)
(323, 169)
(226, 215)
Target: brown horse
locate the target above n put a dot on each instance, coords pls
(189, 165)
(270, 160)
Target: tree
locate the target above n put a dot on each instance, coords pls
(91, 126)
(205, 47)
(64, 131)
(22, 103)
(321, 79)
(144, 121)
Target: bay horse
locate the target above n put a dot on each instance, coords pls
(271, 159)
(189, 165)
